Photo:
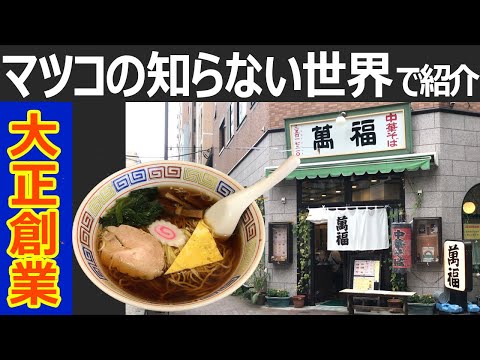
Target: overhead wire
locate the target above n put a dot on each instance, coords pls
(278, 149)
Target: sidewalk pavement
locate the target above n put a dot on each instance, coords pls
(237, 305)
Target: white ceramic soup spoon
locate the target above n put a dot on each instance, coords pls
(223, 216)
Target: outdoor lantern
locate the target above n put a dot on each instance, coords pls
(341, 119)
(469, 207)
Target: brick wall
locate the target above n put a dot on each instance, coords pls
(249, 132)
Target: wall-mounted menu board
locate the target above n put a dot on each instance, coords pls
(280, 243)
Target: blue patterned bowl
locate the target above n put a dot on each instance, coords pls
(183, 174)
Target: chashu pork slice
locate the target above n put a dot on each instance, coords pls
(132, 251)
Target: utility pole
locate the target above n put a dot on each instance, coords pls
(166, 131)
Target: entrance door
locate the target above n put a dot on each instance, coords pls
(352, 191)
(328, 277)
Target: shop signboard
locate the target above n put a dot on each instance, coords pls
(377, 131)
(471, 231)
(454, 265)
(401, 246)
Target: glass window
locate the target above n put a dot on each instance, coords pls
(353, 190)
(242, 112)
(471, 223)
(323, 191)
(231, 120)
(376, 188)
(221, 136)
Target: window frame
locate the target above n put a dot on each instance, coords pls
(241, 117)
(347, 192)
(222, 136)
(231, 122)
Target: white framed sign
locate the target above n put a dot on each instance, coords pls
(375, 132)
(454, 265)
(365, 274)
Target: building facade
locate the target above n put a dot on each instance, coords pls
(250, 138)
(195, 132)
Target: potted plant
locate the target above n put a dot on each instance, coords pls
(298, 301)
(395, 305)
(259, 282)
(421, 305)
(302, 230)
(278, 298)
(398, 283)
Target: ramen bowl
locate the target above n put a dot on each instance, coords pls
(200, 179)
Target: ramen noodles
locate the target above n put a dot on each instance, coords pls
(154, 245)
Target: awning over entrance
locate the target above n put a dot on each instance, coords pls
(373, 165)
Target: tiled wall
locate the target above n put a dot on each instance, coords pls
(252, 169)
(456, 139)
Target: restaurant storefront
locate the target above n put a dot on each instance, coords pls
(378, 159)
(331, 274)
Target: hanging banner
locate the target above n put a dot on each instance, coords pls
(354, 229)
(318, 215)
(401, 246)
